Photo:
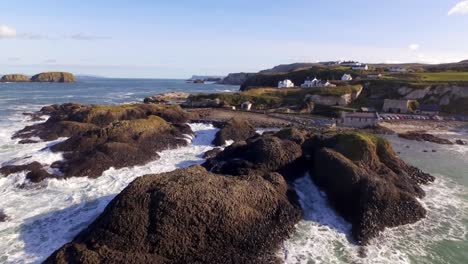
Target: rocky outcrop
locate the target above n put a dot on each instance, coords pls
(422, 136)
(165, 98)
(366, 182)
(102, 136)
(62, 77)
(14, 78)
(266, 153)
(330, 100)
(236, 78)
(3, 216)
(189, 216)
(236, 130)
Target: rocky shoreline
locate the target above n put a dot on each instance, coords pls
(239, 206)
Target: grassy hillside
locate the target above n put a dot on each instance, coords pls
(268, 97)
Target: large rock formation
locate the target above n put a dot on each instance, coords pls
(102, 136)
(236, 130)
(63, 77)
(366, 182)
(266, 153)
(189, 216)
(14, 78)
(236, 78)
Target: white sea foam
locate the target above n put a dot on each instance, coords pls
(323, 237)
(43, 218)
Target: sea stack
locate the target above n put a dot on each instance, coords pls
(15, 78)
(62, 77)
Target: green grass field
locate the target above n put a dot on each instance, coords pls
(429, 76)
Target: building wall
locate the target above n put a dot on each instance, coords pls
(359, 122)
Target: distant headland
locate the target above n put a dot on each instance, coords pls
(60, 77)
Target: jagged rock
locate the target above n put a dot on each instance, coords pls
(460, 142)
(63, 77)
(14, 78)
(121, 144)
(166, 98)
(3, 216)
(102, 136)
(235, 129)
(10, 169)
(189, 216)
(265, 153)
(421, 136)
(71, 119)
(212, 153)
(366, 182)
(292, 134)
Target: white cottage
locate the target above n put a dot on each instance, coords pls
(347, 77)
(285, 84)
(310, 83)
(246, 105)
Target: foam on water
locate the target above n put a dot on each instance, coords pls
(44, 217)
(324, 237)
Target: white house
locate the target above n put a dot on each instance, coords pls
(361, 67)
(361, 120)
(310, 83)
(347, 77)
(285, 84)
(246, 105)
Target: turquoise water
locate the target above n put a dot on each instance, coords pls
(42, 218)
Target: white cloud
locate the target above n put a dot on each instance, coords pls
(7, 32)
(414, 47)
(459, 9)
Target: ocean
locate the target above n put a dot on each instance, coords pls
(43, 217)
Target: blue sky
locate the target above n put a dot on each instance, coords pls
(178, 38)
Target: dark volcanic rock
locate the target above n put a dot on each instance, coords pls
(102, 136)
(265, 153)
(460, 142)
(421, 136)
(292, 134)
(188, 216)
(212, 153)
(3, 216)
(10, 169)
(236, 130)
(121, 144)
(366, 182)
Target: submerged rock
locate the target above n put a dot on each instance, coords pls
(421, 136)
(366, 182)
(63, 77)
(236, 130)
(3, 216)
(460, 142)
(189, 216)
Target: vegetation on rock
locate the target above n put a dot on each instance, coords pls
(63, 77)
(14, 78)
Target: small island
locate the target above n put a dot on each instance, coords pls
(58, 77)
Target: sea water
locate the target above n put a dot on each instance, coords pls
(43, 217)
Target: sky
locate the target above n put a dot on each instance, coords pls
(180, 38)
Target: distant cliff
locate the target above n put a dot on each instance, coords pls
(63, 77)
(15, 78)
(236, 78)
